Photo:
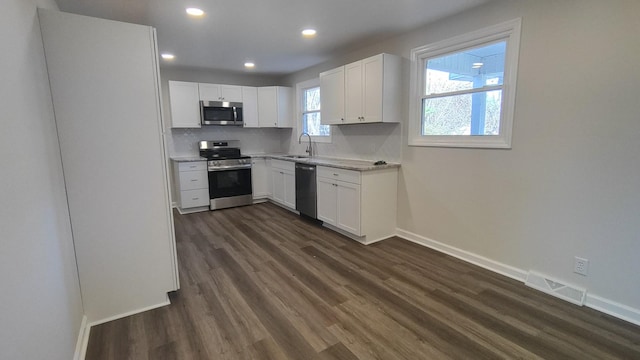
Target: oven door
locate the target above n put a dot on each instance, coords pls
(230, 187)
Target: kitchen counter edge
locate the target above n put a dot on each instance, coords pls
(347, 164)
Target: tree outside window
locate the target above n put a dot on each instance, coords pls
(311, 113)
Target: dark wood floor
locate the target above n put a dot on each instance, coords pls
(259, 282)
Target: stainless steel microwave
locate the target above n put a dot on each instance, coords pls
(221, 113)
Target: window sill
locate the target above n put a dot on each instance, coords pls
(462, 141)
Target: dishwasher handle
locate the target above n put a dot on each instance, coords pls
(305, 167)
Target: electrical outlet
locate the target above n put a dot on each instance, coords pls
(580, 266)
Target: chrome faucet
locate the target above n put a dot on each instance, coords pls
(309, 149)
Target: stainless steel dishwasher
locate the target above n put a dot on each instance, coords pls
(306, 190)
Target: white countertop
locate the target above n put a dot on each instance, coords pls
(348, 164)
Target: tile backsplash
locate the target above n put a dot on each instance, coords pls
(366, 142)
(358, 141)
(184, 142)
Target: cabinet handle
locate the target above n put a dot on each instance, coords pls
(193, 166)
(335, 174)
(281, 172)
(195, 198)
(342, 119)
(334, 184)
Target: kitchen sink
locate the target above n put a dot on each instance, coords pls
(296, 156)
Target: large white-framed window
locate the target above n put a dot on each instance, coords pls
(463, 89)
(308, 105)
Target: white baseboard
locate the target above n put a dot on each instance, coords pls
(191, 210)
(129, 313)
(83, 340)
(595, 302)
(613, 308)
(85, 329)
(361, 239)
(483, 262)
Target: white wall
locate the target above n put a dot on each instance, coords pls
(568, 187)
(40, 305)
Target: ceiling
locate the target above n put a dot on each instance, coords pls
(267, 32)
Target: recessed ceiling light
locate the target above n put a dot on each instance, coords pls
(249, 65)
(195, 11)
(167, 56)
(477, 65)
(308, 32)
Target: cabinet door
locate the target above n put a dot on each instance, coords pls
(259, 176)
(185, 104)
(332, 92)
(194, 198)
(289, 189)
(372, 82)
(267, 107)
(210, 92)
(283, 102)
(277, 183)
(231, 93)
(327, 200)
(250, 106)
(348, 199)
(353, 92)
(190, 180)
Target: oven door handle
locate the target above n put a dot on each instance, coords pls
(231, 167)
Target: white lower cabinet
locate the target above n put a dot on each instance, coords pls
(192, 186)
(327, 203)
(283, 183)
(339, 198)
(348, 201)
(260, 176)
(362, 205)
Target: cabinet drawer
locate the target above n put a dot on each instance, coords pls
(192, 166)
(350, 176)
(190, 180)
(194, 198)
(283, 165)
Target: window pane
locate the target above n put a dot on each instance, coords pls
(312, 126)
(312, 99)
(467, 114)
(468, 69)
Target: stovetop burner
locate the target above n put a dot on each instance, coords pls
(219, 150)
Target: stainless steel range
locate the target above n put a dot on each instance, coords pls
(229, 175)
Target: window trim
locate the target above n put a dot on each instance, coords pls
(300, 88)
(508, 31)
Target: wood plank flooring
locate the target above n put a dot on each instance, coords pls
(259, 282)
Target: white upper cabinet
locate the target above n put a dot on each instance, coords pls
(250, 107)
(372, 89)
(274, 107)
(353, 92)
(269, 106)
(218, 92)
(332, 91)
(185, 105)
